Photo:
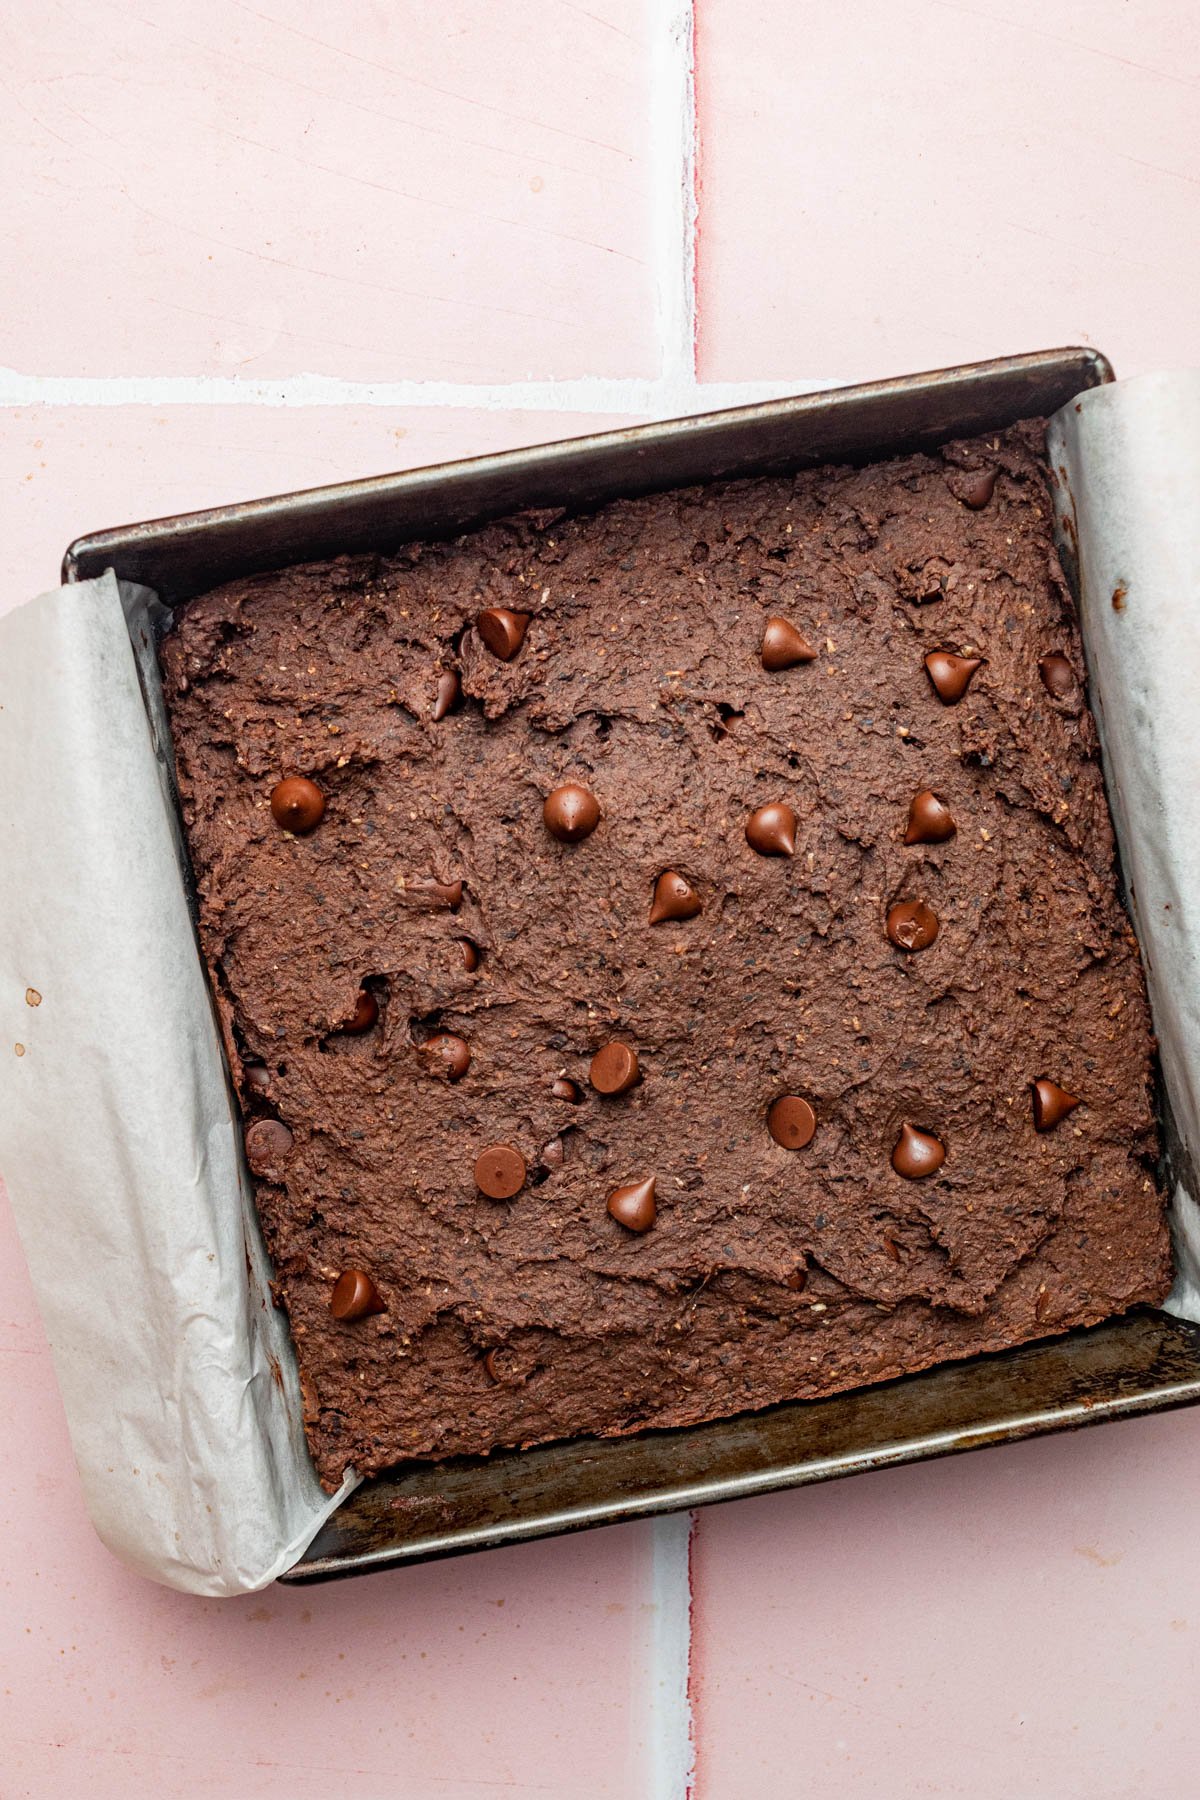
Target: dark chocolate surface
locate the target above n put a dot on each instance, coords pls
(768, 1272)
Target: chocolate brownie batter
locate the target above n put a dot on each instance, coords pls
(639, 937)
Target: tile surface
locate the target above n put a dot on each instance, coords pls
(376, 191)
(1014, 1623)
(902, 186)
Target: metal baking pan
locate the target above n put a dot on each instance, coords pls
(1142, 1363)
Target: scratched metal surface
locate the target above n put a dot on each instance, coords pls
(184, 555)
(1142, 1364)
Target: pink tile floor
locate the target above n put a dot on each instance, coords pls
(248, 247)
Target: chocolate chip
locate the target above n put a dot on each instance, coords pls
(633, 1205)
(355, 1296)
(297, 804)
(366, 1012)
(930, 820)
(614, 1069)
(674, 898)
(447, 1055)
(571, 813)
(911, 925)
(917, 1153)
(502, 631)
(1058, 677)
(1051, 1104)
(499, 1171)
(771, 830)
(491, 1363)
(553, 1154)
(449, 691)
(426, 891)
(951, 674)
(470, 955)
(797, 1280)
(268, 1142)
(783, 646)
(257, 1076)
(565, 1089)
(792, 1122)
(975, 487)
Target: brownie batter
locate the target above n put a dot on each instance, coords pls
(639, 936)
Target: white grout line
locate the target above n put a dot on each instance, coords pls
(671, 1743)
(673, 166)
(663, 398)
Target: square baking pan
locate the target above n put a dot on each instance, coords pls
(1141, 1363)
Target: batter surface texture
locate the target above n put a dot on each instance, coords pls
(648, 675)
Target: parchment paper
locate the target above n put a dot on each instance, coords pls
(1127, 460)
(118, 1133)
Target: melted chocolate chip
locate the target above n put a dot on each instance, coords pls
(297, 804)
(614, 1069)
(268, 1142)
(951, 674)
(674, 898)
(930, 820)
(355, 1296)
(499, 1171)
(917, 1153)
(975, 487)
(571, 813)
(502, 631)
(449, 690)
(447, 1055)
(771, 830)
(792, 1122)
(1058, 677)
(633, 1205)
(783, 646)
(470, 955)
(426, 891)
(911, 925)
(1051, 1104)
(365, 1014)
